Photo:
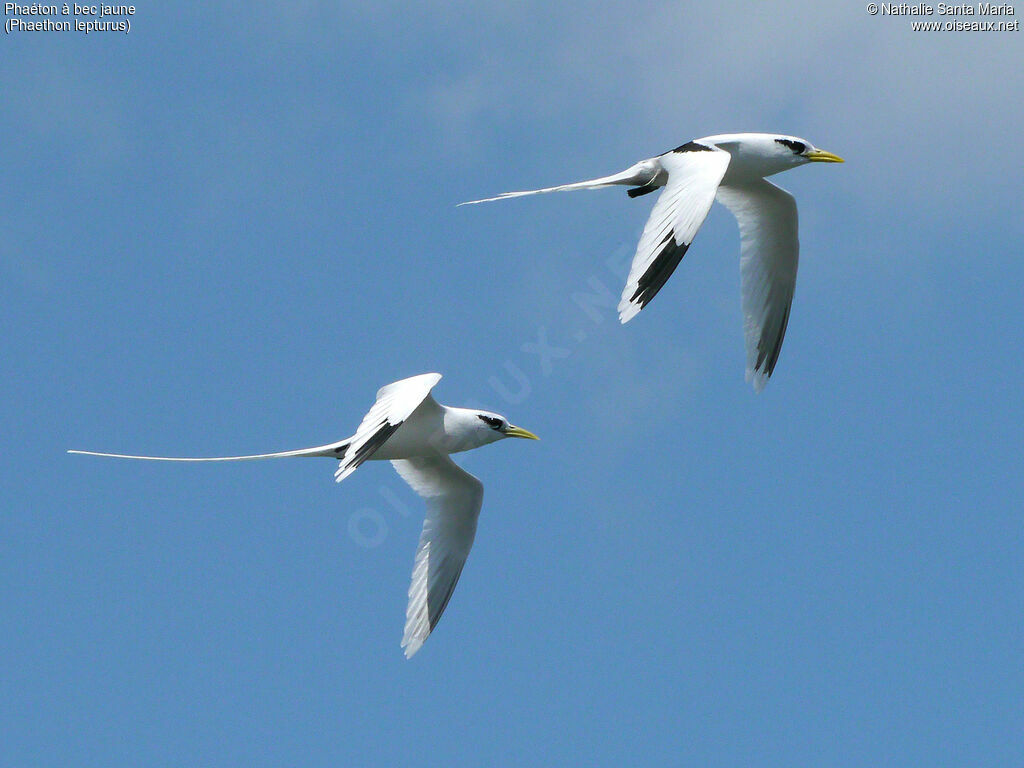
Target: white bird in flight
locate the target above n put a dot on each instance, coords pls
(731, 167)
(407, 427)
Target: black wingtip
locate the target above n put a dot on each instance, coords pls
(768, 356)
(434, 612)
(660, 271)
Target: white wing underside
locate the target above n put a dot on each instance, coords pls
(769, 254)
(453, 498)
(693, 178)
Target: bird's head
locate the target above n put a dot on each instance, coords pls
(793, 152)
(492, 427)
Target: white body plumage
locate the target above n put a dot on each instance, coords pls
(732, 169)
(407, 427)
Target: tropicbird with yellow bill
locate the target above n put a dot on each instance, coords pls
(407, 427)
(732, 168)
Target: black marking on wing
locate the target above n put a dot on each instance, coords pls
(797, 146)
(375, 441)
(661, 269)
(646, 189)
(340, 451)
(692, 146)
(434, 616)
(769, 355)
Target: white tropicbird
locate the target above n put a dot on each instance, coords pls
(731, 167)
(415, 433)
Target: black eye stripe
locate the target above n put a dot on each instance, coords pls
(797, 146)
(490, 421)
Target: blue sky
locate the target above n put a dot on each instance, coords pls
(225, 230)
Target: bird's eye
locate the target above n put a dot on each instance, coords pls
(797, 146)
(490, 421)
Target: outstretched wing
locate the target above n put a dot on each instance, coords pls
(395, 402)
(453, 499)
(694, 173)
(769, 253)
